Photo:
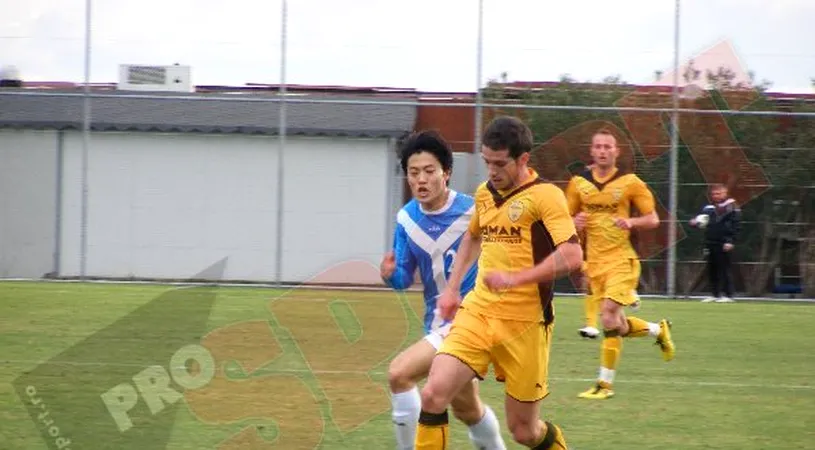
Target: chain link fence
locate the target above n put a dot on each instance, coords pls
(702, 118)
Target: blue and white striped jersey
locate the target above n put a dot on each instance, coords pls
(429, 241)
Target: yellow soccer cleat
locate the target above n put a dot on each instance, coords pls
(666, 344)
(597, 393)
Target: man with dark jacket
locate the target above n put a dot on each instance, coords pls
(721, 221)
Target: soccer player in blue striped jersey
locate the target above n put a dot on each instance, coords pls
(428, 231)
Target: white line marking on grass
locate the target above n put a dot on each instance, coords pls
(660, 382)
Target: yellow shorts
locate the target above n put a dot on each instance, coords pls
(518, 351)
(618, 282)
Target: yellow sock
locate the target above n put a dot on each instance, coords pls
(591, 307)
(432, 432)
(609, 357)
(639, 328)
(552, 438)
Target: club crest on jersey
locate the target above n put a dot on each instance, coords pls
(616, 194)
(515, 210)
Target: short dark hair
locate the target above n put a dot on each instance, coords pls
(508, 133)
(427, 141)
(605, 131)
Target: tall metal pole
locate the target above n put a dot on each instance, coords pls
(282, 142)
(674, 164)
(472, 173)
(86, 127)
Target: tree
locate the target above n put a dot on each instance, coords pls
(778, 148)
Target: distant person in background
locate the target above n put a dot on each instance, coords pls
(721, 220)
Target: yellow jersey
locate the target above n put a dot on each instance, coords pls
(603, 200)
(518, 229)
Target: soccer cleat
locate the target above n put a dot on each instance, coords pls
(666, 344)
(724, 300)
(589, 332)
(597, 393)
(709, 299)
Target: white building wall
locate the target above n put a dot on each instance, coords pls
(170, 205)
(337, 205)
(28, 164)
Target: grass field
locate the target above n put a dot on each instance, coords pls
(306, 369)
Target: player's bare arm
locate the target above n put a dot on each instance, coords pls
(645, 222)
(580, 221)
(567, 258)
(467, 255)
(575, 204)
(468, 251)
(642, 198)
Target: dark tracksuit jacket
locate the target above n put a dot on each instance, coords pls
(722, 228)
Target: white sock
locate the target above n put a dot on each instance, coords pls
(653, 329)
(606, 375)
(405, 414)
(486, 434)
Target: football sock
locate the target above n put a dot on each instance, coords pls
(433, 432)
(609, 357)
(486, 434)
(591, 307)
(406, 407)
(552, 439)
(639, 328)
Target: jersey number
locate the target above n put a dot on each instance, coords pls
(449, 267)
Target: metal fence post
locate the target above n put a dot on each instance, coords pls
(674, 171)
(86, 126)
(282, 144)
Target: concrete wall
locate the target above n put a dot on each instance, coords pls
(170, 205)
(28, 202)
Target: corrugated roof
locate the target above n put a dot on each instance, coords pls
(132, 111)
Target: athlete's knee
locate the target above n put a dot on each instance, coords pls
(400, 377)
(611, 316)
(525, 432)
(434, 399)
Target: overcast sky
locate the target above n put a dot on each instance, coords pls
(423, 44)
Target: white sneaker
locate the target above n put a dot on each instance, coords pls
(710, 299)
(725, 300)
(589, 332)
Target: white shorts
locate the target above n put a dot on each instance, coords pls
(436, 336)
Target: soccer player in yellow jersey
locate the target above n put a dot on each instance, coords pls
(591, 302)
(601, 200)
(523, 238)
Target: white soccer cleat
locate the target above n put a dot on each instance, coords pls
(589, 332)
(725, 300)
(709, 299)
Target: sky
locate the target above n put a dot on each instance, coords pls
(422, 44)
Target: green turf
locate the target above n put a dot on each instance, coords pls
(309, 370)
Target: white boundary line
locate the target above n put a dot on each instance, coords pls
(416, 289)
(665, 382)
